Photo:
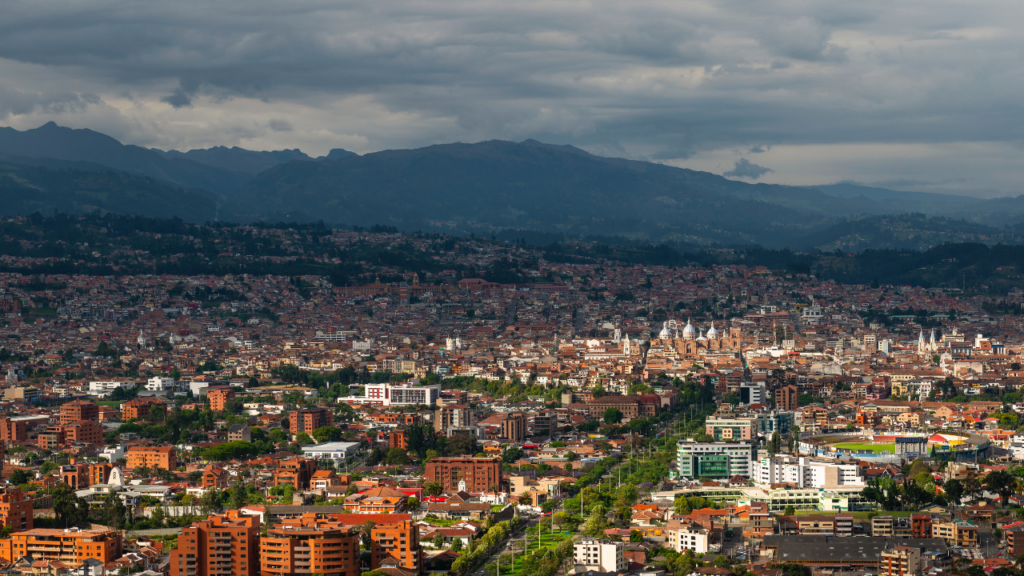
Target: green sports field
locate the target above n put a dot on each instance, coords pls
(866, 447)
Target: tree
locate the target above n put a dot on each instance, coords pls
(1001, 482)
(210, 501)
(365, 531)
(434, 489)
(635, 536)
(237, 494)
(68, 508)
(525, 500)
(158, 516)
(397, 457)
(612, 416)
(19, 477)
(327, 434)
(414, 503)
(456, 545)
(438, 540)
(954, 491)
(789, 510)
(774, 444)
(682, 506)
(303, 439)
(114, 513)
(627, 496)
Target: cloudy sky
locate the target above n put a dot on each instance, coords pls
(922, 95)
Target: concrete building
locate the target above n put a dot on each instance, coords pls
(786, 398)
(714, 459)
(600, 556)
(455, 416)
(687, 536)
(219, 398)
(225, 545)
(901, 561)
(805, 473)
(398, 395)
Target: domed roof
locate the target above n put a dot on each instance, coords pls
(712, 333)
(689, 331)
(665, 332)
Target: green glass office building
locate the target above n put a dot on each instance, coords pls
(714, 459)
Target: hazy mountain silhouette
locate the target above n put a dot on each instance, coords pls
(53, 141)
(25, 189)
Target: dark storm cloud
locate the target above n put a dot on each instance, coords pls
(746, 169)
(662, 80)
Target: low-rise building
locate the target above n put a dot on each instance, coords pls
(600, 556)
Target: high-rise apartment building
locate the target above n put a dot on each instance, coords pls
(78, 410)
(307, 420)
(15, 509)
(453, 416)
(295, 471)
(479, 474)
(309, 546)
(219, 398)
(786, 398)
(225, 545)
(13, 431)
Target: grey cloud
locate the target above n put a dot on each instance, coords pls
(675, 78)
(178, 99)
(748, 170)
(278, 125)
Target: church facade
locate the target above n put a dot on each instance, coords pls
(691, 343)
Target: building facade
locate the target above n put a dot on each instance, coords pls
(308, 420)
(78, 410)
(152, 457)
(479, 474)
(714, 459)
(600, 556)
(72, 546)
(225, 545)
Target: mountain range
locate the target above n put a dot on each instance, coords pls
(482, 188)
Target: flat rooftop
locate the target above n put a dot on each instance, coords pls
(853, 549)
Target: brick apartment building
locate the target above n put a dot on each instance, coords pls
(152, 457)
(393, 540)
(141, 409)
(645, 406)
(513, 427)
(399, 438)
(480, 474)
(13, 431)
(219, 398)
(296, 471)
(71, 546)
(309, 545)
(308, 420)
(77, 411)
(215, 476)
(84, 432)
(15, 509)
(225, 545)
(100, 473)
(786, 398)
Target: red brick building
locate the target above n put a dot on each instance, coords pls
(308, 420)
(480, 474)
(77, 411)
(84, 432)
(152, 457)
(219, 398)
(225, 545)
(296, 471)
(15, 509)
(141, 409)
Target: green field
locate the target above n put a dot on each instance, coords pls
(867, 447)
(547, 540)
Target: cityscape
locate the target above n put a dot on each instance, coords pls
(532, 288)
(347, 402)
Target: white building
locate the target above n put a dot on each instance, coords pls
(1017, 447)
(805, 473)
(337, 451)
(687, 537)
(600, 556)
(753, 393)
(105, 387)
(112, 453)
(159, 383)
(396, 395)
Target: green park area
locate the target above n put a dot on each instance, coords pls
(866, 447)
(521, 566)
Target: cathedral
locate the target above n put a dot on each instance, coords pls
(692, 343)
